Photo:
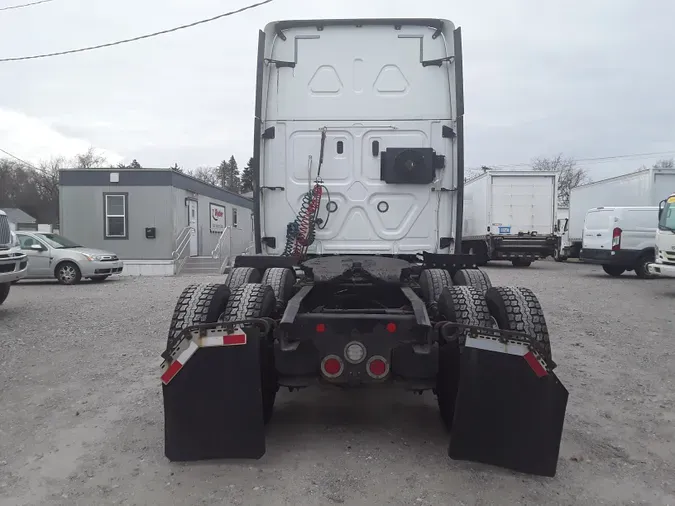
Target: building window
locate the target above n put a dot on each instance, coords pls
(116, 219)
(234, 217)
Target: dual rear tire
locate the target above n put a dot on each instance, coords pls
(507, 308)
(245, 295)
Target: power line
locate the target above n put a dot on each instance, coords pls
(591, 161)
(22, 161)
(11, 7)
(133, 39)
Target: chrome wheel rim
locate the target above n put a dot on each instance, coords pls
(67, 273)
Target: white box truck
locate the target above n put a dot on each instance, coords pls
(635, 189)
(510, 216)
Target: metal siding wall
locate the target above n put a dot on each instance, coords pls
(82, 220)
(242, 236)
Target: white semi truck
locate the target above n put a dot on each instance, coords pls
(664, 264)
(635, 189)
(511, 216)
(358, 277)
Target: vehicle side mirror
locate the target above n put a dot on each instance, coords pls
(36, 247)
(662, 206)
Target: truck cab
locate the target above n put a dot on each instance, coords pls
(664, 263)
(390, 111)
(13, 262)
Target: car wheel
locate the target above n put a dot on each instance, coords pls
(68, 273)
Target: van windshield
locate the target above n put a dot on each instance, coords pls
(667, 221)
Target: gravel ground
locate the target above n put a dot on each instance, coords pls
(81, 420)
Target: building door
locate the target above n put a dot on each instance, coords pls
(192, 222)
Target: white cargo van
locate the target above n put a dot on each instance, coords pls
(620, 239)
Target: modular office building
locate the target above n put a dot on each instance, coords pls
(153, 219)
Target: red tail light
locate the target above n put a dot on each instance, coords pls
(616, 239)
(332, 366)
(321, 327)
(391, 327)
(377, 367)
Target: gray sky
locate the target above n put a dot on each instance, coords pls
(586, 78)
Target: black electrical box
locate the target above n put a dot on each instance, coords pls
(150, 232)
(409, 165)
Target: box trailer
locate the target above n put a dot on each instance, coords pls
(641, 188)
(511, 216)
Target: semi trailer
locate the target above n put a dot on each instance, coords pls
(358, 277)
(635, 189)
(511, 216)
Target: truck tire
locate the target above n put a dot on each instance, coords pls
(519, 262)
(613, 270)
(282, 281)
(465, 305)
(254, 300)
(198, 303)
(432, 282)
(4, 292)
(641, 267)
(557, 257)
(242, 275)
(518, 309)
(474, 278)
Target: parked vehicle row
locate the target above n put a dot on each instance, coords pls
(643, 188)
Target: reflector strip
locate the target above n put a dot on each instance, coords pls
(510, 348)
(178, 364)
(490, 344)
(538, 369)
(224, 340)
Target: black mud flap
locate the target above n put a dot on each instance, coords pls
(509, 412)
(213, 405)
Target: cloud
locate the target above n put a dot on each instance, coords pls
(34, 139)
(584, 77)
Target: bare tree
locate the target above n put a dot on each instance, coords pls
(569, 175)
(664, 164)
(89, 160)
(210, 175)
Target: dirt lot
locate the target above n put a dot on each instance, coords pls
(81, 418)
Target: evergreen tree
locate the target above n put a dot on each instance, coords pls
(247, 177)
(223, 171)
(230, 174)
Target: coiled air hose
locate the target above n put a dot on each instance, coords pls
(301, 232)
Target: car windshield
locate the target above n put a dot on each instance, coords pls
(667, 221)
(57, 241)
